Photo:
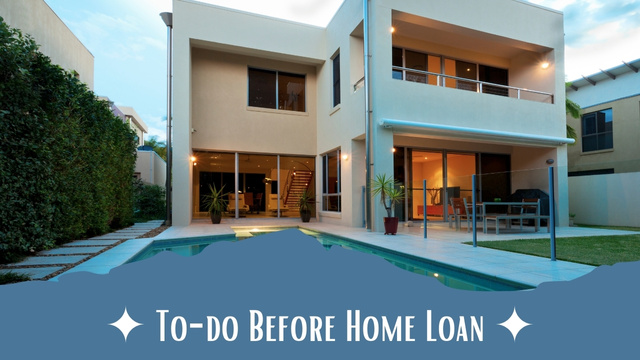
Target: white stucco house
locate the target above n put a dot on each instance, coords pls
(268, 107)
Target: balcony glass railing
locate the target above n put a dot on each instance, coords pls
(449, 81)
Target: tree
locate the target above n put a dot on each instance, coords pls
(572, 110)
(160, 147)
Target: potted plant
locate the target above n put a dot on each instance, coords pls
(215, 202)
(305, 203)
(390, 196)
(572, 217)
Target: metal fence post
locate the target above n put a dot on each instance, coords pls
(424, 206)
(473, 211)
(552, 214)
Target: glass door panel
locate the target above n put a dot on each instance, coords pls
(426, 165)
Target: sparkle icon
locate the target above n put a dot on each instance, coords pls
(125, 324)
(514, 324)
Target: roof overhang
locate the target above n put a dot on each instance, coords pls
(483, 135)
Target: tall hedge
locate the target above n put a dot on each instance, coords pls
(66, 162)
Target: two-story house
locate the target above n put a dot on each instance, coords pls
(447, 90)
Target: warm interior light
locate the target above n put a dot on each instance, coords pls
(345, 157)
(545, 65)
(393, 150)
(193, 158)
(393, 29)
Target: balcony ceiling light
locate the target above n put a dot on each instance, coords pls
(545, 65)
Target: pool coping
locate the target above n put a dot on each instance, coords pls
(508, 267)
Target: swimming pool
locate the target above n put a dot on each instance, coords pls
(450, 276)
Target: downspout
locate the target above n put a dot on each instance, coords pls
(367, 107)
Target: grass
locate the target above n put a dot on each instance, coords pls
(591, 250)
(11, 277)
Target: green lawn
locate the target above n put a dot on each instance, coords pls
(592, 250)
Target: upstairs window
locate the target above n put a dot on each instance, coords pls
(336, 80)
(597, 130)
(276, 90)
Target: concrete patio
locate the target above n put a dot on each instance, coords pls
(443, 245)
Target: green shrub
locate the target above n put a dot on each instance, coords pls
(149, 202)
(11, 277)
(66, 161)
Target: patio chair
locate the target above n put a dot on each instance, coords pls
(242, 207)
(459, 206)
(273, 204)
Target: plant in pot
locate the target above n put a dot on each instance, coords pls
(305, 203)
(215, 202)
(390, 196)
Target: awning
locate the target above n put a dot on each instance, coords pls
(459, 132)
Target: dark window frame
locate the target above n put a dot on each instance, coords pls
(336, 80)
(597, 130)
(331, 195)
(271, 90)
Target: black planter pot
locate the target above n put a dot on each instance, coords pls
(305, 215)
(390, 225)
(216, 218)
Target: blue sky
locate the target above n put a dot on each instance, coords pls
(128, 41)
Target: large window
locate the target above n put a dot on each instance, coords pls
(597, 130)
(331, 193)
(336, 80)
(276, 90)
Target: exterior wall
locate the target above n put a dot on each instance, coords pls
(35, 17)
(606, 199)
(151, 167)
(624, 156)
(393, 99)
(224, 122)
(233, 41)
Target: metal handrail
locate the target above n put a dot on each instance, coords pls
(442, 82)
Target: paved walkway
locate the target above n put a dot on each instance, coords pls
(49, 262)
(443, 245)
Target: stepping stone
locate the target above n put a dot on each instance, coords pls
(35, 273)
(50, 260)
(92, 242)
(113, 236)
(72, 250)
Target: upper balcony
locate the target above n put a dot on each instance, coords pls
(441, 54)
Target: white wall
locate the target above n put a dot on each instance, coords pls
(152, 169)
(612, 200)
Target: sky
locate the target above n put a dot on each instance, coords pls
(128, 41)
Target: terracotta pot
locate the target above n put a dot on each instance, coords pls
(305, 215)
(390, 225)
(216, 218)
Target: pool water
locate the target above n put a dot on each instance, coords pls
(450, 276)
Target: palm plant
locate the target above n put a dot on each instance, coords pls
(305, 203)
(215, 202)
(573, 110)
(388, 189)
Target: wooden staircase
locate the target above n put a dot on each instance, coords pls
(298, 182)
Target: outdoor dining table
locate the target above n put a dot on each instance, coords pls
(508, 216)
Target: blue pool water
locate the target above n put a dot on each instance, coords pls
(450, 276)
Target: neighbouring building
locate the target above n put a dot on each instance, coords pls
(135, 122)
(270, 107)
(35, 17)
(609, 127)
(604, 164)
(150, 167)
